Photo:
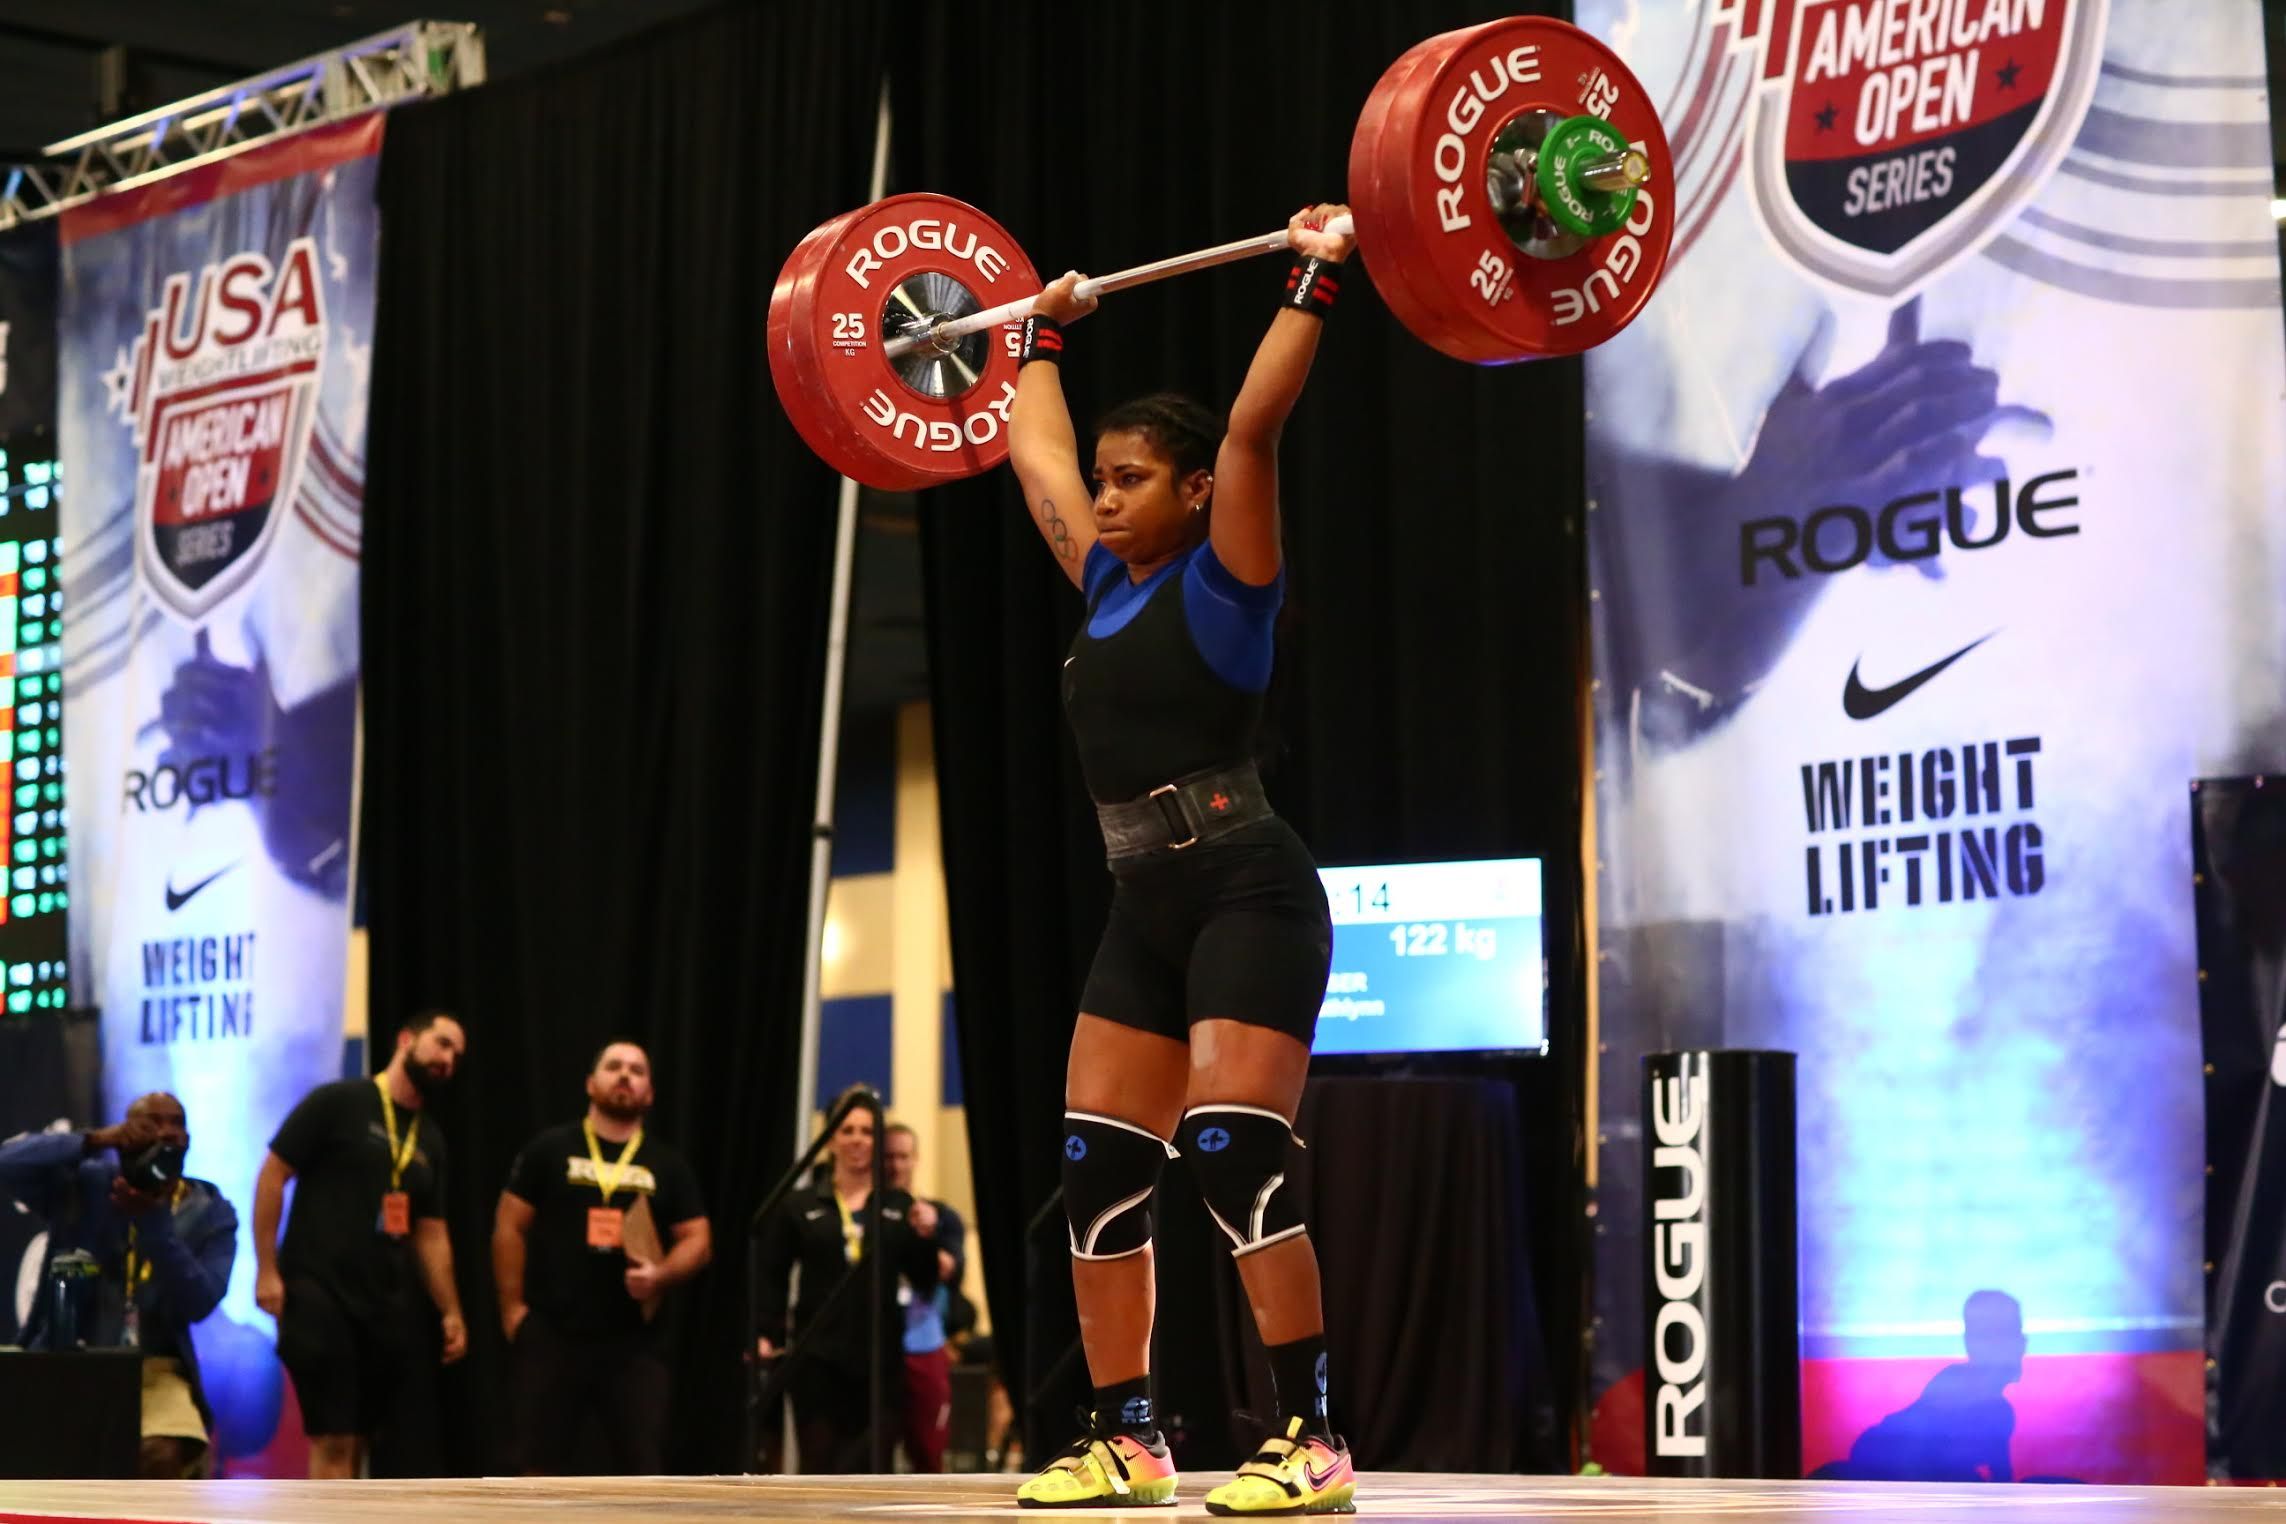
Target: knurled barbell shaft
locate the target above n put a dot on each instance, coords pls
(1102, 285)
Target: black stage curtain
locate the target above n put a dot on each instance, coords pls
(1430, 686)
(595, 597)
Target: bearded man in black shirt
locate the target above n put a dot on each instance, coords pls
(598, 1221)
(368, 1219)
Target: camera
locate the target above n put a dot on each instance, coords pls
(155, 1170)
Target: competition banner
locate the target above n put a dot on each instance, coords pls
(216, 335)
(1936, 549)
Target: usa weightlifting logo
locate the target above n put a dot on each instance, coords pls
(1890, 139)
(220, 390)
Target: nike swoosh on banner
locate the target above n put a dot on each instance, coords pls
(177, 899)
(1862, 703)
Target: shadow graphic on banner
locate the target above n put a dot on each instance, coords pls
(228, 737)
(1961, 1426)
(1907, 451)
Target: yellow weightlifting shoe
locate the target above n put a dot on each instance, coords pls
(1293, 1473)
(1104, 1468)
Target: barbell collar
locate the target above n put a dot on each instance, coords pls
(1616, 172)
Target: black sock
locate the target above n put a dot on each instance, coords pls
(1298, 1370)
(1127, 1405)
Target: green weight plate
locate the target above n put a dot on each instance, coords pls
(1570, 203)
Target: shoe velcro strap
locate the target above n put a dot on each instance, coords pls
(1081, 1460)
(1265, 1465)
(1107, 1462)
(1290, 1489)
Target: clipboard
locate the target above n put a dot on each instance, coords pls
(639, 1238)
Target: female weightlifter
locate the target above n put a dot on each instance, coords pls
(1195, 1026)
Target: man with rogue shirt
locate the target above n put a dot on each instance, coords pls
(598, 1220)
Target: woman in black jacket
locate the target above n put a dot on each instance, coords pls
(829, 1229)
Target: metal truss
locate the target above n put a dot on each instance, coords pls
(420, 58)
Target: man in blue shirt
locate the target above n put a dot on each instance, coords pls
(928, 1363)
(165, 1242)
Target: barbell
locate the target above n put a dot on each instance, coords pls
(1510, 191)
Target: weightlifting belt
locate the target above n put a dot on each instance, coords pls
(1184, 813)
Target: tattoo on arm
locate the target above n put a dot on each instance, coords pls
(1058, 532)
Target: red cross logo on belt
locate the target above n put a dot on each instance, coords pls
(1219, 803)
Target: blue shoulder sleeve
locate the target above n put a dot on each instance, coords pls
(1231, 621)
(1097, 572)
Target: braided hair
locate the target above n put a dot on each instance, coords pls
(1181, 428)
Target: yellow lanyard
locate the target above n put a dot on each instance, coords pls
(139, 1270)
(852, 1235)
(608, 1183)
(399, 1157)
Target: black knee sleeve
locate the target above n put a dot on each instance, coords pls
(1110, 1170)
(1238, 1154)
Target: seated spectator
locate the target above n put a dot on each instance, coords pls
(165, 1242)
